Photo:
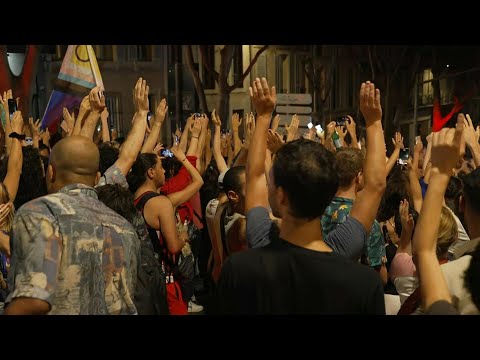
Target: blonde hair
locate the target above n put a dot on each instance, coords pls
(447, 232)
(5, 198)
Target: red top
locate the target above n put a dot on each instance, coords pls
(178, 183)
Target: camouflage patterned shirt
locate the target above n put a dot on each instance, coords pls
(75, 253)
(337, 213)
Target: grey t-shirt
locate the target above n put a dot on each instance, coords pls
(347, 239)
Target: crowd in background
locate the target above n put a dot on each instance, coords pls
(306, 221)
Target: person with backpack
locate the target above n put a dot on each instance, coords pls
(147, 175)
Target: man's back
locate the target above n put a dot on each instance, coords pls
(75, 253)
(286, 279)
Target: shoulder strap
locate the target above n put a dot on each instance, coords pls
(144, 198)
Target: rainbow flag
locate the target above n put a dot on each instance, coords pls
(78, 75)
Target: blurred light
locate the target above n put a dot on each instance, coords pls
(448, 65)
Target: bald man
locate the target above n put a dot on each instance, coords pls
(72, 254)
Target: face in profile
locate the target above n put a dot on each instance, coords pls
(159, 173)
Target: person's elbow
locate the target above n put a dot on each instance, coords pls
(175, 248)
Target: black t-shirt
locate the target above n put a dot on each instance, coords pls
(282, 278)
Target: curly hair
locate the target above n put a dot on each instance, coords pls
(108, 156)
(172, 166)
(32, 181)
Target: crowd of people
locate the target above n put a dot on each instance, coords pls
(322, 222)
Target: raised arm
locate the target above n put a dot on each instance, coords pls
(263, 99)
(132, 145)
(179, 197)
(352, 130)
(366, 205)
(248, 133)
(105, 128)
(217, 151)
(405, 243)
(69, 121)
(8, 125)
(184, 139)
(196, 129)
(84, 110)
(201, 143)
(152, 139)
(447, 148)
(97, 104)
(160, 212)
(15, 159)
(35, 129)
(398, 143)
(471, 138)
(237, 143)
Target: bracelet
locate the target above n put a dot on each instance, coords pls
(184, 159)
(195, 137)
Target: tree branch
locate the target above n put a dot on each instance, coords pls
(252, 63)
(205, 64)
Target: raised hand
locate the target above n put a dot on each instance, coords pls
(418, 147)
(351, 126)
(104, 114)
(406, 218)
(35, 127)
(469, 131)
(275, 122)
(341, 131)
(398, 141)
(293, 128)
(196, 128)
(69, 119)
(157, 149)
(249, 128)
(141, 96)
(114, 134)
(216, 119)
(85, 104)
(17, 122)
(236, 122)
(370, 103)
(274, 141)
(161, 111)
(448, 145)
(178, 153)
(263, 97)
(331, 128)
(97, 99)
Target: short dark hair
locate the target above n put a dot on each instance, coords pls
(471, 190)
(231, 180)
(396, 191)
(42, 146)
(137, 175)
(108, 156)
(349, 164)
(308, 174)
(118, 199)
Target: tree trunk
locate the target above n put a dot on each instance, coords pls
(196, 79)
(223, 88)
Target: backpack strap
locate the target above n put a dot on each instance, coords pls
(140, 205)
(144, 198)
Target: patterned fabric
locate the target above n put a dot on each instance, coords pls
(113, 175)
(337, 213)
(75, 253)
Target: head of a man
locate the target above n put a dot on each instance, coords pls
(350, 169)
(234, 187)
(108, 156)
(470, 201)
(147, 168)
(303, 180)
(73, 160)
